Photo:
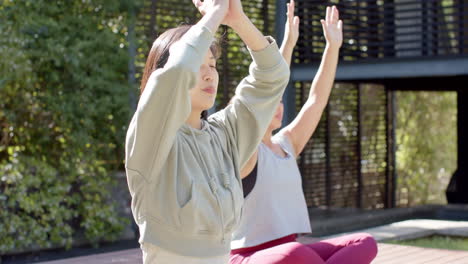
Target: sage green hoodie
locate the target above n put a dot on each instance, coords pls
(184, 182)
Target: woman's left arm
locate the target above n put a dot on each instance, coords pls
(258, 94)
(241, 24)
(303, 126)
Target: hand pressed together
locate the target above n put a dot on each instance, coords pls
(207, 6)
(234, 13)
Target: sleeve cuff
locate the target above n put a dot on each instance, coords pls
(191, 48)
(267, 57)
(200, 38)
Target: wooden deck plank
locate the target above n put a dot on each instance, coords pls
(396, 254)
(423, 256)
(462, 259)
(118, 257)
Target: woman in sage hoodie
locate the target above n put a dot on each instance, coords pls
(182, 170)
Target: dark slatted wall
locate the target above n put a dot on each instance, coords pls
(345, 162)
(376, 29)
(373, 138)
(313, 160)
(343, 142)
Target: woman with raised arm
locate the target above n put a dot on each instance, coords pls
(183, 169)
(275, 210)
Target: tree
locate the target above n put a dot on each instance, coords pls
(63, 116)
(426, 141)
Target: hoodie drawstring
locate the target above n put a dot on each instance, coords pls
(212, 184)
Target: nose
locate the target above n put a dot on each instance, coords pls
(207, 73)
(208, 77)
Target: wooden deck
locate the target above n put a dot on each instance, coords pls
(396, 254)
(388, 254)
(118, 257)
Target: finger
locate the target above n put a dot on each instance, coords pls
(291, 9)
(327, 15)
(337, 14)
(324, 26)
(296, 21)
(292, 6)
(340, 25)
(197, 3)
(290, 14)
(334, 15)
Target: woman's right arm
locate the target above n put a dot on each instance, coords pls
(303, 126)
(165, 105)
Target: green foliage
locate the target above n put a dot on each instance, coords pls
(436, 241)
(426, 140)
(63, 114)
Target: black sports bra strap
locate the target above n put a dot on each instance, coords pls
(248, 183)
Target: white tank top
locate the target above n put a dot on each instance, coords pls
(276, 206)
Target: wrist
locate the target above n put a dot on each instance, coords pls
(288, 43)
(217, 11)
(212, 19)
(240, 22)
(286, 48)
(332, 47)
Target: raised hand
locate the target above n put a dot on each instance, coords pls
(207, 6)
(291, 28)
(235, 15)
(230, 13)
(333, 27)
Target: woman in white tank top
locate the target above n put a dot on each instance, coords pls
(275, 209)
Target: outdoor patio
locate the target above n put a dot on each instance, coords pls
(387, 254)
(65, 112)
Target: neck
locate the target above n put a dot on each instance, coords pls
(194, 119)
(267, 137)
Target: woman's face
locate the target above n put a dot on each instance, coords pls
(203, 95)
(278, 117)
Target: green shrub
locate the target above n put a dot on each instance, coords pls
(63, 114)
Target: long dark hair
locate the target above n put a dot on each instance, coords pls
(159, 54)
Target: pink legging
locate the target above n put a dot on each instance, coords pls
(359, 248)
